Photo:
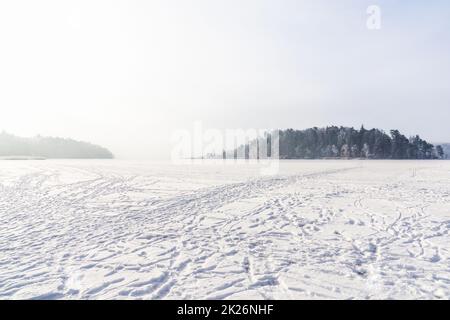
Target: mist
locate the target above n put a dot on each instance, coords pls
(127, 74)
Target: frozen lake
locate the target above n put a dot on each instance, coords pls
(99, 229)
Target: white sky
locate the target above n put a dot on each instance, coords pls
(125, 74)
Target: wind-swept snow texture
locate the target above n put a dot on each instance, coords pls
(317, 230)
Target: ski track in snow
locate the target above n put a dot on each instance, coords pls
(318, 230)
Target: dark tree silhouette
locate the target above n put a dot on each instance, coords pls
(345, 142)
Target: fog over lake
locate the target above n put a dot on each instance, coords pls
(127, 74)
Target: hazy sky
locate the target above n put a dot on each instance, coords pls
(125, 74)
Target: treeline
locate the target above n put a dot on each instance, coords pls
(339, 142)
(49, 147)
(344, 142)
(446, 148)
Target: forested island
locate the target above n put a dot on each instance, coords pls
(346, 143)
(13, 147)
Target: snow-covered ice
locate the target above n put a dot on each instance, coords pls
(143, 230)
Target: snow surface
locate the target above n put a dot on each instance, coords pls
(133, 230)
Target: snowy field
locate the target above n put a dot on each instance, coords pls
(142, 230)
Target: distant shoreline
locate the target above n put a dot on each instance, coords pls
(21, 158)
(26, 158)
(40, 148)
